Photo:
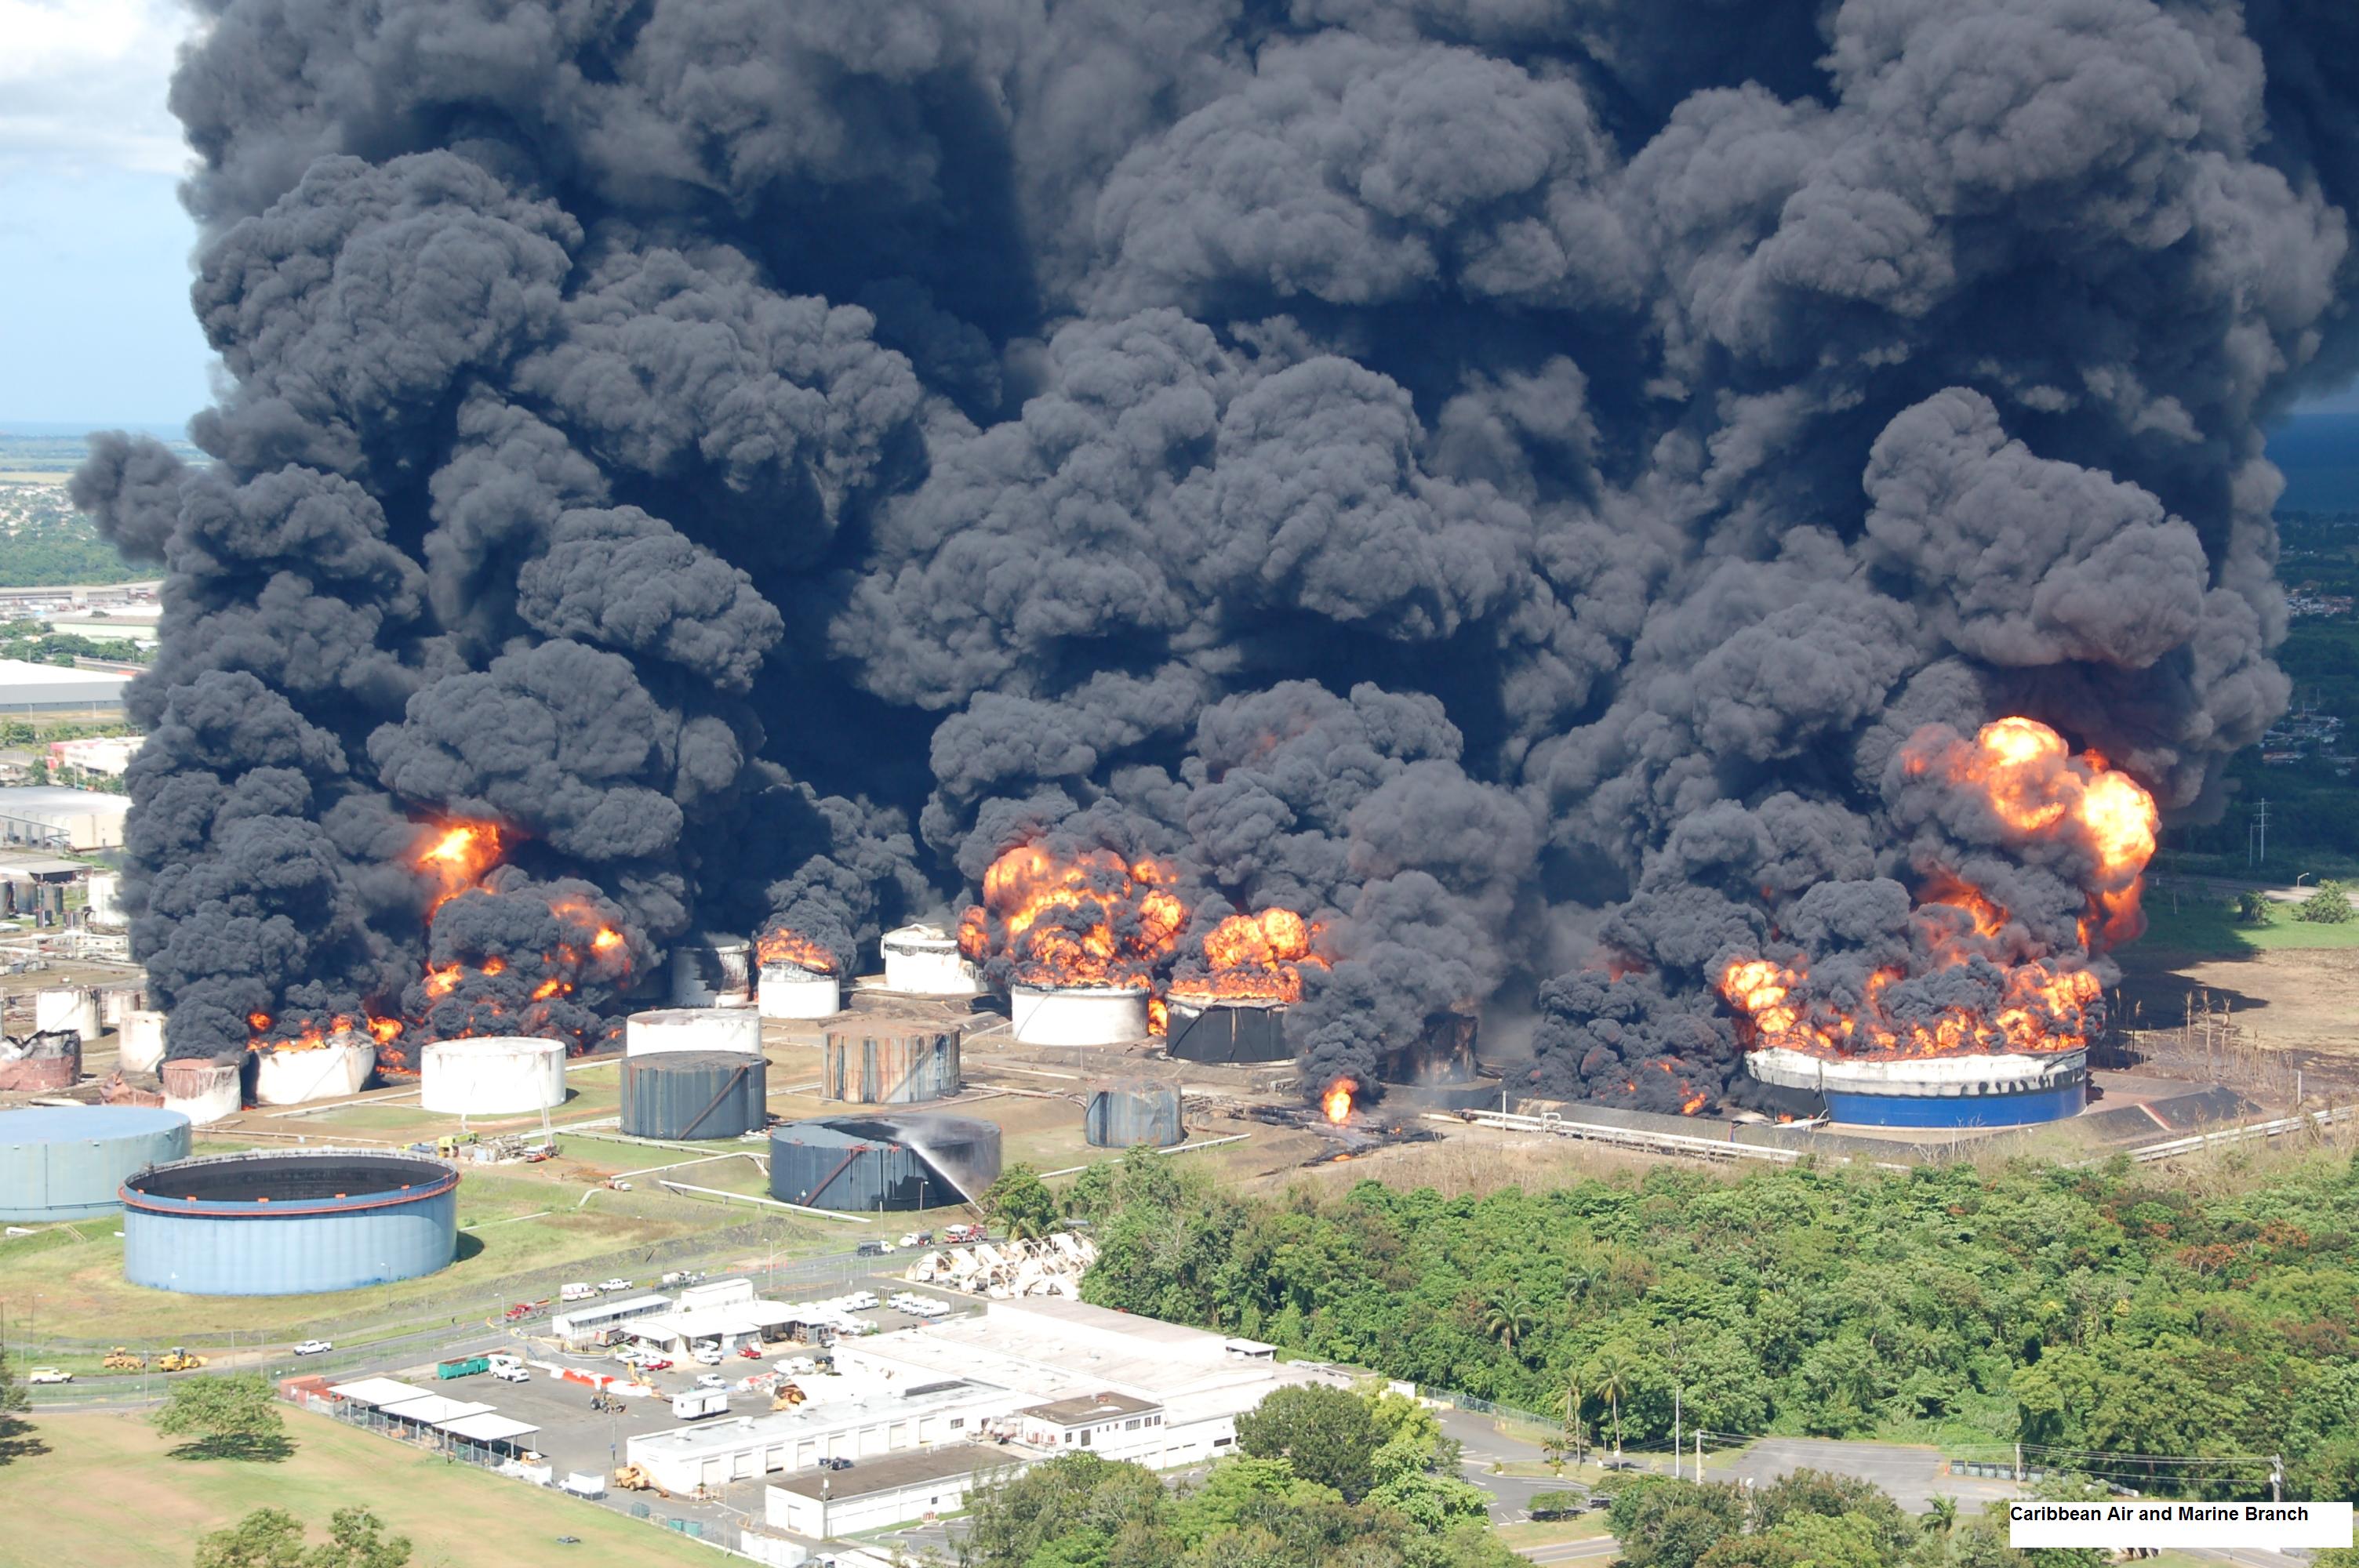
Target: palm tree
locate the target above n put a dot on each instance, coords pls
(1509, 1318)
(1941, 1516)
(1609, 1370)
(1573, 1413)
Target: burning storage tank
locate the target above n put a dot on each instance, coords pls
(1207, 1028)
(1076, 1015)
(866, 1163)
(141, 1048)
(883, 1063)
(298, 1071)
(925, 960)
(492, 1074)
(286, 1222)
(41, 1064)
(711, 970)
(693, 1028)
(203, 1091)
(1967, 1089)
(69, 1162)
(69, 1006)
(1126, 1113)
(695, 1094)
(789, 990)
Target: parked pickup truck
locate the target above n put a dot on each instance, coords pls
(314, 1347)
(47, 1375)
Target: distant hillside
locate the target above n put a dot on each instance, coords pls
(2319, 454)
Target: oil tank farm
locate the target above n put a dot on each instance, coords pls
(737, 1029)
(288, 1222)
(880, 1062)
(1970, 1089)
(202, 1090)
(711, 971)
(695, 1094)
(492, 1074)
(1135, 1111)
(69, 1162)
(871, 1164)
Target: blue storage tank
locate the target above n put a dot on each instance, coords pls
(288, 1222)
(867, 1164)
(69, 1162)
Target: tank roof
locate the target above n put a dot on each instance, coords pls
(61, 1123)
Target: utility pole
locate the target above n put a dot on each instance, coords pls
(2261, 826)
(2277, 1477)
(1699, 1442)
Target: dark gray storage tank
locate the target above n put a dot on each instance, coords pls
(1230, 1030)
(866, 1163)
(1134, 1111)
(695, 1094)
(887, 1063)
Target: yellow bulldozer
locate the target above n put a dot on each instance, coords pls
(179, 1360)
(121, 1359)
(632, 1479)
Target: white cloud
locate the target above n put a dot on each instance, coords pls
(82, 85)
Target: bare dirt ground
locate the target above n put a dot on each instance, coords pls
(2300, 1003)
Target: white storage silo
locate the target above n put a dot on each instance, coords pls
(321, 1071)
(492, 1074)
(69, 1006)
(693, 1028)
(1076, 1015)
(925, 960)
(204, 1091)
(789, 990)
(142, 1047)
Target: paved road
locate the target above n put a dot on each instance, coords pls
(1914, 1477)
(1596, 1549)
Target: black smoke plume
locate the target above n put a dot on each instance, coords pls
(1503, 481)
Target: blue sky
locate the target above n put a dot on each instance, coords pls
(93, 244)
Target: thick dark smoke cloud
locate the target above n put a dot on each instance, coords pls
(1505, 480)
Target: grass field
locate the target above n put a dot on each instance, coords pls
(2208, 927)
(123, 1502)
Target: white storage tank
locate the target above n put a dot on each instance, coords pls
(142, 1047)
(321, 1071)
(492, 1074)
(789, 990)
(204, 1091)
(925, 960)
(105, 906)
(693, 1028)
(69, 1006)
(1076, 1015)
(712, 972)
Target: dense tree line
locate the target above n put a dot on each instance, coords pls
(2097, 1309)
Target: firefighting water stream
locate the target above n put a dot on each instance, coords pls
(1657, 530)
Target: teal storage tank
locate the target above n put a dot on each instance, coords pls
(69, 1162)
(288, 1222)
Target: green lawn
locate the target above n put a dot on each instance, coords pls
(2207, 927)
(113, 1497)
(1522, 1536)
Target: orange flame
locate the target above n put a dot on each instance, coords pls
(1091, 920)
(459, 856)
(2025, 775)
(780, 945)
(1257, 956)
(1337, 1101)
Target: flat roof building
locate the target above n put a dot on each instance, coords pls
(28, 687)
(880, 1419)
(886, 1492)
(60, 818)
(596, 1318)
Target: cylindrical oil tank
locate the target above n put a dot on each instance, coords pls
(200, 1089)
(1076, 1015)
(329, 1071)
(869, 1163)
(925, 960)
(692, 1029)
(69, 1162)
(881, 1063)
(1135, 1111)
(1206, 1028)
(492, 1074)
(288, 1222)
(116, 1002)
(141, 1049)
(711, 970)
(789, 990)
(69, 1006)
(43, 1063)
(695, 1094)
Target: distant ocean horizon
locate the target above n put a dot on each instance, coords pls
(163, 430)
(2318, 455)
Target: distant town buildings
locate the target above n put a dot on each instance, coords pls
(51, 688)
(93, 756)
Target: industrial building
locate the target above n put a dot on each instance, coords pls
(723, 1314)
(859, 1418)
(282, 1222)
(885, 1492)
(598, 1319)
(26, 688)
(56, 819)
(69, 1162)
(872, 1164)
(1969, 1089)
